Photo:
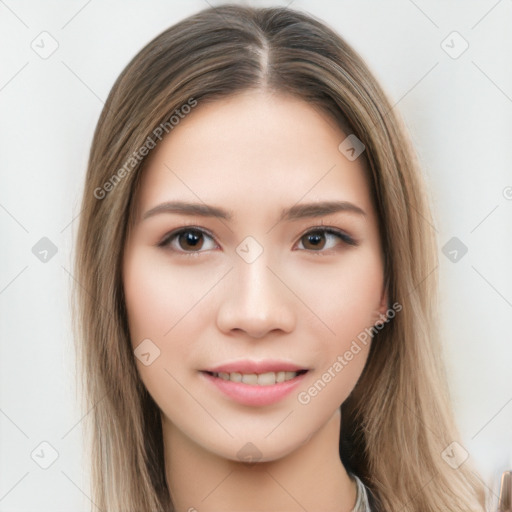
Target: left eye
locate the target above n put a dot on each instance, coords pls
(317, 238)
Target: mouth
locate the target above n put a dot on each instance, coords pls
(255, 389)
(258, 379)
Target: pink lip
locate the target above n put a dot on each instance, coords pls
(249, 394)
(247, 366)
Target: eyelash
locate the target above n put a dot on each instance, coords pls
(165, 243)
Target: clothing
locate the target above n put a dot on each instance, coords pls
(362, 504)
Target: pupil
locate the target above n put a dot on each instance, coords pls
(192, 238)
(315, 239)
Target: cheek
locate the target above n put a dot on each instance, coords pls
(163, 309)
(170, 306)
(160, 296)
(346, 297)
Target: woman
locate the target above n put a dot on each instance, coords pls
(257, 283)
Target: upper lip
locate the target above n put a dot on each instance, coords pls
(248, 366)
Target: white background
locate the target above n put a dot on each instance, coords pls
(459, 112)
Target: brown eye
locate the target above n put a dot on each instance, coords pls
(189, 240)
(314, 240)
(325, 238)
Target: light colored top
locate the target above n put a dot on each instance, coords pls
(362, 504)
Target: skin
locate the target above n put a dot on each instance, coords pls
(254, 153)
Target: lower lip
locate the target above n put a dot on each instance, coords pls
(249, 394)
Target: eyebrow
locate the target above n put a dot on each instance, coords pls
(295, 212)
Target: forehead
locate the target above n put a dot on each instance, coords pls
(254, 150)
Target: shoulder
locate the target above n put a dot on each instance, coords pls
(362, 499)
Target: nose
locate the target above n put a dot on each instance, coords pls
(255, 300)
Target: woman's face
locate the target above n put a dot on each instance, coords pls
(252, 271)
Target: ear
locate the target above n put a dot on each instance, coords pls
(381, 313)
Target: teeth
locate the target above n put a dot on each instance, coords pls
(250, 378)
(290, 375)
(235, 376)
(267, 379)
(262, 379)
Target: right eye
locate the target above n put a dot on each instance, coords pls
(186, 240)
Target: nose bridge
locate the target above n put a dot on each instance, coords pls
(255, 301)
(254, 279)
(256, 285)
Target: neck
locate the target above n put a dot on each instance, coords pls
(312, 477)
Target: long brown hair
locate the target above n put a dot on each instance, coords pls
(398, 421)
